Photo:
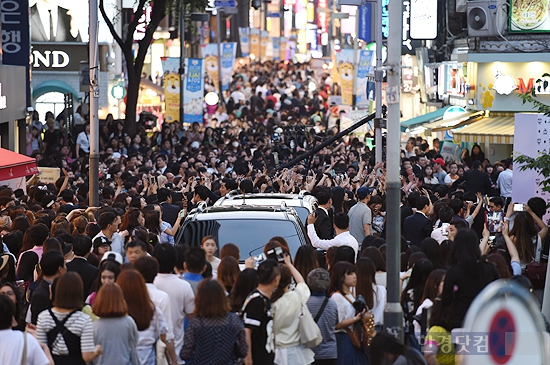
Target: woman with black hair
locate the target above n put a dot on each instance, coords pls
(466, 277)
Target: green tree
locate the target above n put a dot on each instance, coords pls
(134, 63)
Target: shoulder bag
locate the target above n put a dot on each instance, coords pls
(24, 356)
(536, 270)
(310, 334)
(160, 345)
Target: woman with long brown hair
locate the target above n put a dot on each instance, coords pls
(375, 295)
(228, 271)
(115, 330)
(66, 330)
(343, 277)
(149, 319)
(214, 335)
(524, 234)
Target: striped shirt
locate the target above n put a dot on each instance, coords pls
(79, 324)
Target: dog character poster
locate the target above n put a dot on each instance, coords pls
(244, 38)
(170, 68)
(193, 90)
(255, 42)
(210, 56)
(346, 72)
(229, 51)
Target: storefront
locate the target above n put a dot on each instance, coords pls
(13, 108)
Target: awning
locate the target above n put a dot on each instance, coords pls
(457, 121)
(489, 129)
(14, 165)
(148, 84)
(426, 118)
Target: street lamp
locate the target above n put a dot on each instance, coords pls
(211, 98)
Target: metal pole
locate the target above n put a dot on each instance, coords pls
(355, 63)
(181, 26)
(328, 141)
(393, 313)
(378, 78)
(332, 6)
(219, 35)
(94, 98)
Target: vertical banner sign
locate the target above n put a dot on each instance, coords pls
(15, 36)
(244, 39)
(264, 40)
(276, 51)
(346, 72)
(364, 69)
(210, 56)
(365, 23)
(170, 66)
(228, 60)
(255, 42)
(194, 90)
(282, 48)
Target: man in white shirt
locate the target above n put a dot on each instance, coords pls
(238, 95)
(504, 182)
(108, 222)
(148, 267)
(83, 142)
(343, 237)
(180, 293)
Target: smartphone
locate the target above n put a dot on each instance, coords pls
(182, 213)
(518, 208)
(332, 173)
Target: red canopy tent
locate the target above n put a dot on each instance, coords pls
(14, 165)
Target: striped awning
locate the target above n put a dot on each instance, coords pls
(489, 129)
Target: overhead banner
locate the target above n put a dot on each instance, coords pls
(276, 51)
(244, 40)
(194, 90)
(282, 48)
(170, 67)
(255, 42)
(229, 51)
(209, 53)
(365, 22)
(364, 70)
(346, 72)
(264, 40)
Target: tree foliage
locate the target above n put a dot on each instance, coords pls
(134, 61)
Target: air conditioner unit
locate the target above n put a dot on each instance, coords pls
(482, 18)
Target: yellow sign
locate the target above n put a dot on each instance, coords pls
(264, 40)
(255, 42)
(171, 97)
(48, 175)
(282, 48)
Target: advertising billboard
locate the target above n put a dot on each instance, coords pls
(529, 16)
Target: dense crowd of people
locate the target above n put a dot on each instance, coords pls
(110, 285)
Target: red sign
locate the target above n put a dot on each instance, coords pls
(502, 337)
(322, 17)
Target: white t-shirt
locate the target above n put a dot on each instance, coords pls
(182, 303)
(286, 312)
(11, 348)
(345, 308)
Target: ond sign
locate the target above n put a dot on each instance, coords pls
(502, 337)
(118, 92)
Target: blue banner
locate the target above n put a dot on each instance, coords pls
(15, 35)
(227, 61)
(365, 23)
(193, 96)
(364, 69)
(244, 39)
(276, 48)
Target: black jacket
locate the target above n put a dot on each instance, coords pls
(476, 181)
(169, 212)
(87, 272)
(416, 228)
(323, 225)
(40, 300)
